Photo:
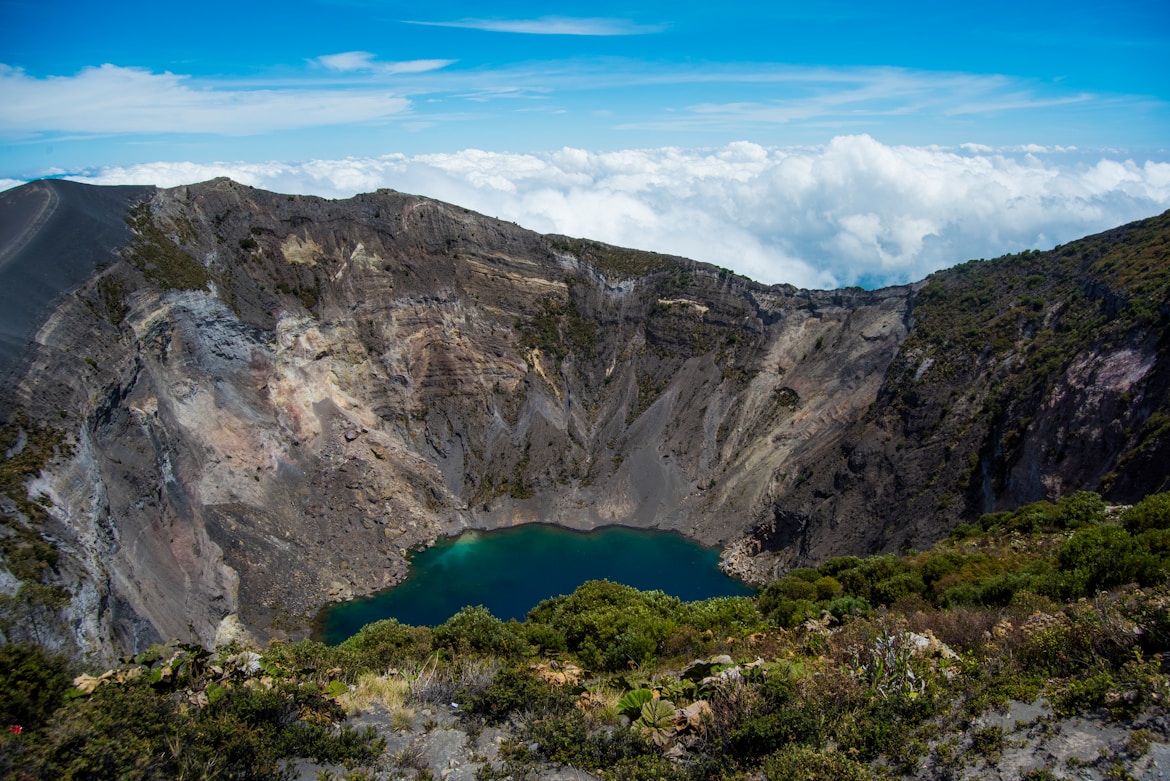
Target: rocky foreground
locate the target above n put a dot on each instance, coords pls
(1089, 748)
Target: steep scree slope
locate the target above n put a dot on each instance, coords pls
(264, 400)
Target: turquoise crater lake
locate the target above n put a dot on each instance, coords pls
(511, 570)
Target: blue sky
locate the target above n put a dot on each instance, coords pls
(484, 105)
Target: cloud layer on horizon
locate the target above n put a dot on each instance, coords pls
(854, 211)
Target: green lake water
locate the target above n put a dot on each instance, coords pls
(511, 570)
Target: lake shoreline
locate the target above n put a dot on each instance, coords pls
(522, 564)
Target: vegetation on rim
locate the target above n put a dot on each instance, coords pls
(860, 668)
(615, 260)
(997, 346)
(162, 261)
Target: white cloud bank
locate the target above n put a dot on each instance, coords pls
(854, 211)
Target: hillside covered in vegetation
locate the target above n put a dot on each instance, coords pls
(1029, 645)
(1029, 376)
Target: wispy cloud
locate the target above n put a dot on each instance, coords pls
(503, 93)
(847, 95)
(551, 25)
(347, 62)
(352, 87)
(853, 211)
(1017, 103)
(112, 99)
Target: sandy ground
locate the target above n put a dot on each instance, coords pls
(47, 247)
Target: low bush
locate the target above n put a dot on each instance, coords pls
(609, 626)
(513, 690)
(476, 630)
(724, 616)
(32, 685)
(1153, 512)
(385, 644)
(133, 729)
(804, 763)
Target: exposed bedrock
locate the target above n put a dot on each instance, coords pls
(271, 398)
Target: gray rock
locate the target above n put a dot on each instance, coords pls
(358, 372)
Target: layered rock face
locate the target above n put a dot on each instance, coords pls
(268, 399)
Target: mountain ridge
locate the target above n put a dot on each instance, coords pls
(270, 398)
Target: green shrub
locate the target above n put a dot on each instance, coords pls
(476, 630)
(1101, 557)
(828, 588)
(1039, 774)
(861, 580)
(1084, 508)
(966, 530)
(607, 625)
(1153, 512)
(961, 595)
(725, 616)
(806, 763)
(791, 613)
(136, 730)
(989, 742)
(806, 593)
(546, 639)
(644, 767)
(384, 644)
(307, 659)
(838, 564)
(899, 586)
(844, 608)
(994, 591)
(1154, 541)
(786, 589)
(934, 568)
(32, 685)
(512, 690)
(562, 737)
(1031, 518)
(764, 733)
(882, 725)
(1084, 694)
(989, 521)
(636, 645)
(1141, 684)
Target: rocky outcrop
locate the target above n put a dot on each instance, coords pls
(1024, 378)
(271, 398)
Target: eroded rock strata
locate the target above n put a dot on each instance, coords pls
(267, 399)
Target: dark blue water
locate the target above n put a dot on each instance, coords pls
(511, 570)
